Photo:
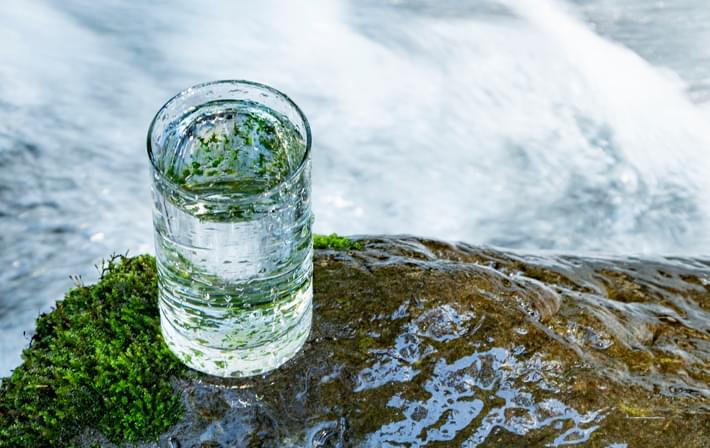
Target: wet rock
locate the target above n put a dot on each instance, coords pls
(424, 343)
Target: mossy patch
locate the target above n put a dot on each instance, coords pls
(336, 242)
(96, 361)
(633, 411)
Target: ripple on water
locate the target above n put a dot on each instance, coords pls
(443, 323)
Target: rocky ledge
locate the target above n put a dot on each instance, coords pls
(414, 343)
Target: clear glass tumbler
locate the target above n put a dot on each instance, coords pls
(231, 170)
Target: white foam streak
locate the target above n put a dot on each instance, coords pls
(660, 130)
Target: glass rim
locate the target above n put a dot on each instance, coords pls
(287, 181)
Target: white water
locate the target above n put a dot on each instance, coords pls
(576, 126)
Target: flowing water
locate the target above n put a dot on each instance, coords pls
(570, 125)
(424, 343)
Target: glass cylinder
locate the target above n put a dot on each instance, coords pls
(231, 171)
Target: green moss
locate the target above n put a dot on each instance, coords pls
(633, 411)
(333, 241)
(97, 360)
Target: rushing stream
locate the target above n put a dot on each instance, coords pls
(577, 126)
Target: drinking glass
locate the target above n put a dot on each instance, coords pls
(231, 173)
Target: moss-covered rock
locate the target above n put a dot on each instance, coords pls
(97, 360)
(336, 242)
(414, 342)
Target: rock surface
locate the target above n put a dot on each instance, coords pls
(424, 343)
(420, 342)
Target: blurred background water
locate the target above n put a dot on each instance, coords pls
(577, 126)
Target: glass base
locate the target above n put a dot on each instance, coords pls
(237, 363)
